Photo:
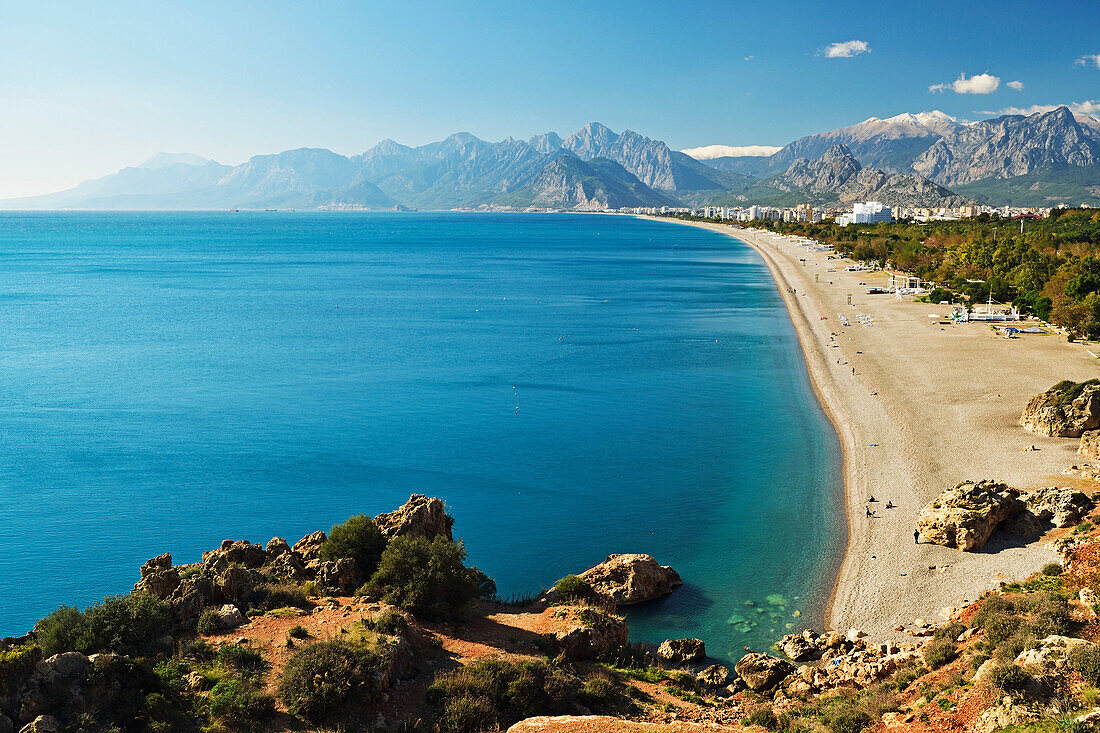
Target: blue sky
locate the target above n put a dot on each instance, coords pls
(87, 88)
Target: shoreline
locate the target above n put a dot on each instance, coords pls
(917, 407)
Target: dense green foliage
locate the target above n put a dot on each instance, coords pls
(319, 679)
(239, 705)
(121, 624)
(1051, 269)
(358, 538)
(425, 577)
(492, 694)
(573, 588)
(939, 652)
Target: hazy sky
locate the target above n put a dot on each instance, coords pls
(89, 87)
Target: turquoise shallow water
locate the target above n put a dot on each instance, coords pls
(572, 386)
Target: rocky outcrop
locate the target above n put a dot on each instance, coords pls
(762, 671)
(713, 676)
(342, 574)
(1061, 507)
(682, 651)
(628, 579)
(1050, 656)
(966, 515)
(589, 633)
(1066, 410)
(309, 547)
(805, 646)
(1090, 445)
(421, 516)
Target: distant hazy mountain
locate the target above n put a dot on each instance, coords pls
(1009, 146)
(838, 177)
(908, 155)
(567, 182)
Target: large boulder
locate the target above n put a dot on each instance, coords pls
(1051, 654)
(762, 671)
(309, 547)
(588, 632)
(966, 515)
(422, 516)
(1089, 447)
(800, 647)
(682, 651)
(1066, 410)
(713, 676)
(240, 552)
(628, 579)
(1062, 507)
(341, 574)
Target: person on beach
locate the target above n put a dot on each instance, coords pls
(916, 536)
(868, 510)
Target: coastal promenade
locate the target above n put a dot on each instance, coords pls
(919, 406)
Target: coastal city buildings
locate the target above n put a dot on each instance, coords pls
(867, 212)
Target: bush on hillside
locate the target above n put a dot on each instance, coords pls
(271, 596)
(1010, 678)
(573, 588)
(320, 678)
(358, 538)
(210, 622)
(939, 652)
(1086, 661)
(128, 624)
(424, 577)
(492, 694)
(242, 662)
(240, 706)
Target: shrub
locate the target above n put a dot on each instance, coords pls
(320, 678)
(598, 692)
(388, 622)
(210, 622)
(1051, 616)
(486, 586)
(573, 588)
(492, 694)
(1086, 661)
(1010, 678)
(358, 538)
(939, 652)
(951, 631)
(298, 631)
(16, 666)
(271, 596)
(849, 720)
(426, 578)
(240, 705)
(242, 661)
(1011, 648)
(763, 717)
(127, 624)
(1052, 569)
(998, 619)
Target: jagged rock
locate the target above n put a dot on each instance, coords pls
(762, 671)
(243, 553)
(681, 651)
(1088, 597)
(966, 515)
(287, 565)
(233, 585)
(1089, 447)
(714, 676)
(1051, 653)
(1004, 714)
(340, 574)
(1060, 506)
(160, 583)
(1092, 717)
(628, 579)
(590, 633)
(309, 547)
(230, 617)
(277, 546)
(156, 564)
(1066, 410)
(66, 664)
(42, 724)
(985, 671)
(798, 648)
(421, 516)
(187, 602)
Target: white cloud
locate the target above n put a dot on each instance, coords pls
(1087, 107)
(1017, 85)
(708, 152)
(749, 57)
(846, 49)
(977, 84)
(1089, 59)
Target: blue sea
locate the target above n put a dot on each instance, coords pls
(571, 385)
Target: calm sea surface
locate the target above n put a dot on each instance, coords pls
(572, 386)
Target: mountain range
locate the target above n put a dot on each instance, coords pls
(925, 159)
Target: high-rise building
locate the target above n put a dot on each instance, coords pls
(871, 212)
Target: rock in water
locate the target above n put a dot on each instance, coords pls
(714, 676)
(762, 671)
(681, 651)
(965, 516)
(630, 579)
(1066, 410)
(421, 516)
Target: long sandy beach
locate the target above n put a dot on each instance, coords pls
(918, 406)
